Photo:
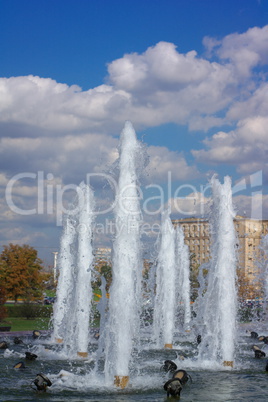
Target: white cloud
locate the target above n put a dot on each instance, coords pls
(161, 85)
(158, 86)
(255, 105)
(169, 86)
(49, 108)
(245, 50)
(163, 161)
(55, 128)
(246, 147)
(194, 204)
(70, 156)
(252, 206)
(160, 63)
(197, 204)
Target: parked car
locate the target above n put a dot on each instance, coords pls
(49, 300)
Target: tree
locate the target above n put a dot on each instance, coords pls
(194, 272)
(106, 272)
(20, 272)
(3, 298)
(246, 288)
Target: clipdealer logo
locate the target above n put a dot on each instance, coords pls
(56, 199)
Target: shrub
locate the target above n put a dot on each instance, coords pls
(29, 310)
(245, 314)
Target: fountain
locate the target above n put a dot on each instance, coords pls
(165, 298)
(125, 295)
(262, 276)
(183, 282)
(83, 294)
(172, 300)
(127, 360)
(218, 309)
(74, 293)
(265, 248)
(62, 306)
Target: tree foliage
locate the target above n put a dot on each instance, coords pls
(105, 270)
(246, 288)
(3, 298)
(20, 272)
(194, 273)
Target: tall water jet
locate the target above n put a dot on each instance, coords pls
(72, 308)
(84, 263)
(263, 272)
(63, 303)
(165, 298)
(102, 307)
(220, 299)
(183, 280)
(265, 240)
(125, 292)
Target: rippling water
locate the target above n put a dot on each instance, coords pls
(76, 381)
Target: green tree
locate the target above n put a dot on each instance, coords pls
(20, 272)
(105, 270)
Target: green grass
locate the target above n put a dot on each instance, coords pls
(22, 324)
(17, 317)
(50, 293)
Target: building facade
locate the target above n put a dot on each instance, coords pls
(103, 256)
(249, 236)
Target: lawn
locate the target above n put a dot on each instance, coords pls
(39, 317)
(22, 324)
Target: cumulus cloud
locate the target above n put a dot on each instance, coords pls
(175, 86)
(199, 204)
(160, 63)
(254, 105)
(246, 50)
(158, 86)
(43, 106)
(64, 131)
(246, 147)
(164, 162)
(70, 157)
(253, 206)
(194, 204)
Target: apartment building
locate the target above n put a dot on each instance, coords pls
(103, 256)
(249, 236)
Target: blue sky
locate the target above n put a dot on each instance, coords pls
(191, 75)
(72, 41)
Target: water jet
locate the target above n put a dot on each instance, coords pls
(125, 352)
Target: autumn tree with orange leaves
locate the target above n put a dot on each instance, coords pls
(20, 273)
